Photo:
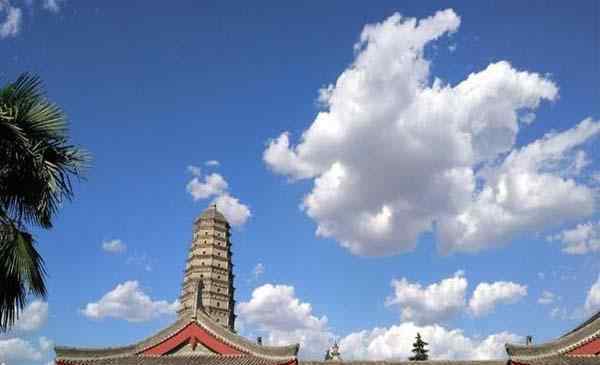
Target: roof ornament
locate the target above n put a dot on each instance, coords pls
(333, 354)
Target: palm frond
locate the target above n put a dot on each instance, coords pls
(22, 272)
(37, 165)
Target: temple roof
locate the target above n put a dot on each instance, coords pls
(278, 354)
(554, 351)
(178, 360)
(426, 362)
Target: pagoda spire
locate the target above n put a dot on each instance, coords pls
(208, 279)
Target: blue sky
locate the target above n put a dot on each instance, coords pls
(153, 88)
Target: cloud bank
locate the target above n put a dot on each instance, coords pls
(393, 155)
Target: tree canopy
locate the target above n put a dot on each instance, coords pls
(419, 350)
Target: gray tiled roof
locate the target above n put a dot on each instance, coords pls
(203, 320)
(177, 360)
(587, 331)
(428, 362)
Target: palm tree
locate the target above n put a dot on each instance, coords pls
(37, 164)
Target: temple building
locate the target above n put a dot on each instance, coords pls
(203, 332)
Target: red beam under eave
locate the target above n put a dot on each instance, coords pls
(590, 348)
(188, 333)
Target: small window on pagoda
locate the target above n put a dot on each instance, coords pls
(218, 304)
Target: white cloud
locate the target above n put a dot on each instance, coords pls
(527, 191)
(275, 310)
(425, 305)
(20, 351)
(441, 301)
(215, 185)
(527, 118)
(52, 5)
(127, 301)
(212, 163)
(547, 297)
(114, 246)
(194, 170)
(236, 213)
(396, 341)
(32, 317)
(45, 343)
(583, 239)
(392, 154)
(486, 296)
(452, 48)
(592, 301)
(11, 25)
(258, 270)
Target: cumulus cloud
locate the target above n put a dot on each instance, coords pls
(486, 296)
(547, 297)
(212, 163)
(441, 301)
(393, 155)
(276, 311)
(11, 24)
(583, 239)
(215, 186)
(33, 317)
(395, 343)
(433, 303)
(236, 213)
(592, 301)
(127, 301)
(114, 246)
(52, 5)
(18, 350)
(527, 191)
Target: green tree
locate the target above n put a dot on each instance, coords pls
(419, 350)
(37, 164)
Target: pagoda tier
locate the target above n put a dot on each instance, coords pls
(580, 346)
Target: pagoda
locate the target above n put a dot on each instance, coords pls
(204, 330)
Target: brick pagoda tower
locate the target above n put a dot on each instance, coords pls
(209, 271)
